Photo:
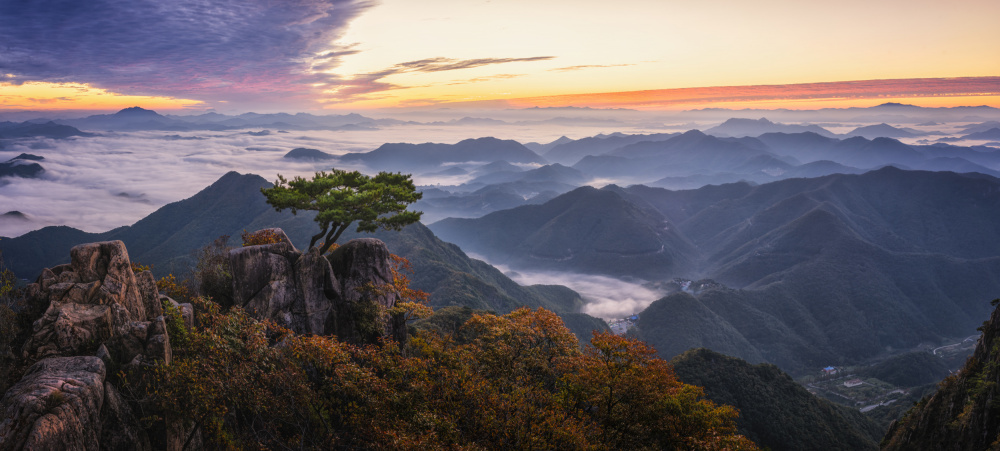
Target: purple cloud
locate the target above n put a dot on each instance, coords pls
(236, 50)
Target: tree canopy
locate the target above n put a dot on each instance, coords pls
(340, 198)
(517, 381)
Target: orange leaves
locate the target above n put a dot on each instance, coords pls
(507, 382)
(265, 236)
(410, 304)
(178, 291)
(637, 402)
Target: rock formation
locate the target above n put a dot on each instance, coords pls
(56, 405)
(340, 295)
(97, 299)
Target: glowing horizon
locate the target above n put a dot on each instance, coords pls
(80, 96)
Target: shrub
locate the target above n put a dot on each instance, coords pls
(169, 286)
(266, 236)
(176, 329)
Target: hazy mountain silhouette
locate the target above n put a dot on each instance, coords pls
(598, 231)
(738, 127)
(883, 131)
(541, 149)
(11, 130)
(409, 157)
(993, 133)
(302, 153)
(137, 118)
(570, 153)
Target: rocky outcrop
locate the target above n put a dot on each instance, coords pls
(310, 294)
(264, 282)
(97, 299)
(97, 316)
(56, 405)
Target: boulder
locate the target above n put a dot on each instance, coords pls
(56, 405)
(363, 268)
(72, 329)
(94, 305)
(150, 294)
(264, 281)
(360, 264)
(87, 301)
(143, 343)
(343, 294)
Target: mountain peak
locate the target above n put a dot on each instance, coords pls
(693, 132)
(136, 111)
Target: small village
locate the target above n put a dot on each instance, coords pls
(846, 385)
(843, 386)
(621, 325)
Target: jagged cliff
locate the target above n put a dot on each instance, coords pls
(964, 414)
(96, 319)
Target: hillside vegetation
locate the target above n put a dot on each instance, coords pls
(776, 412)
(807, 272)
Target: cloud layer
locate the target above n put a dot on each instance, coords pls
(209, 49)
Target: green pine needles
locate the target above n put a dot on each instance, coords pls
(340, 198)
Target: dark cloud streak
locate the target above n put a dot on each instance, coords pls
(363, 86)
(587, 66)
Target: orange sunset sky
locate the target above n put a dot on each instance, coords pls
(352, 55)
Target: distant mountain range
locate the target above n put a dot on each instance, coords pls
(136, 119)
(886, 112)
(809, 272)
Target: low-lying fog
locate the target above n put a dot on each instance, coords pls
(606, 297)
(99, 183)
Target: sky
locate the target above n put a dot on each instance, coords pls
(356, 55)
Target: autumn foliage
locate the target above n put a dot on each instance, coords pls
(265, 236)
(515, 381)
